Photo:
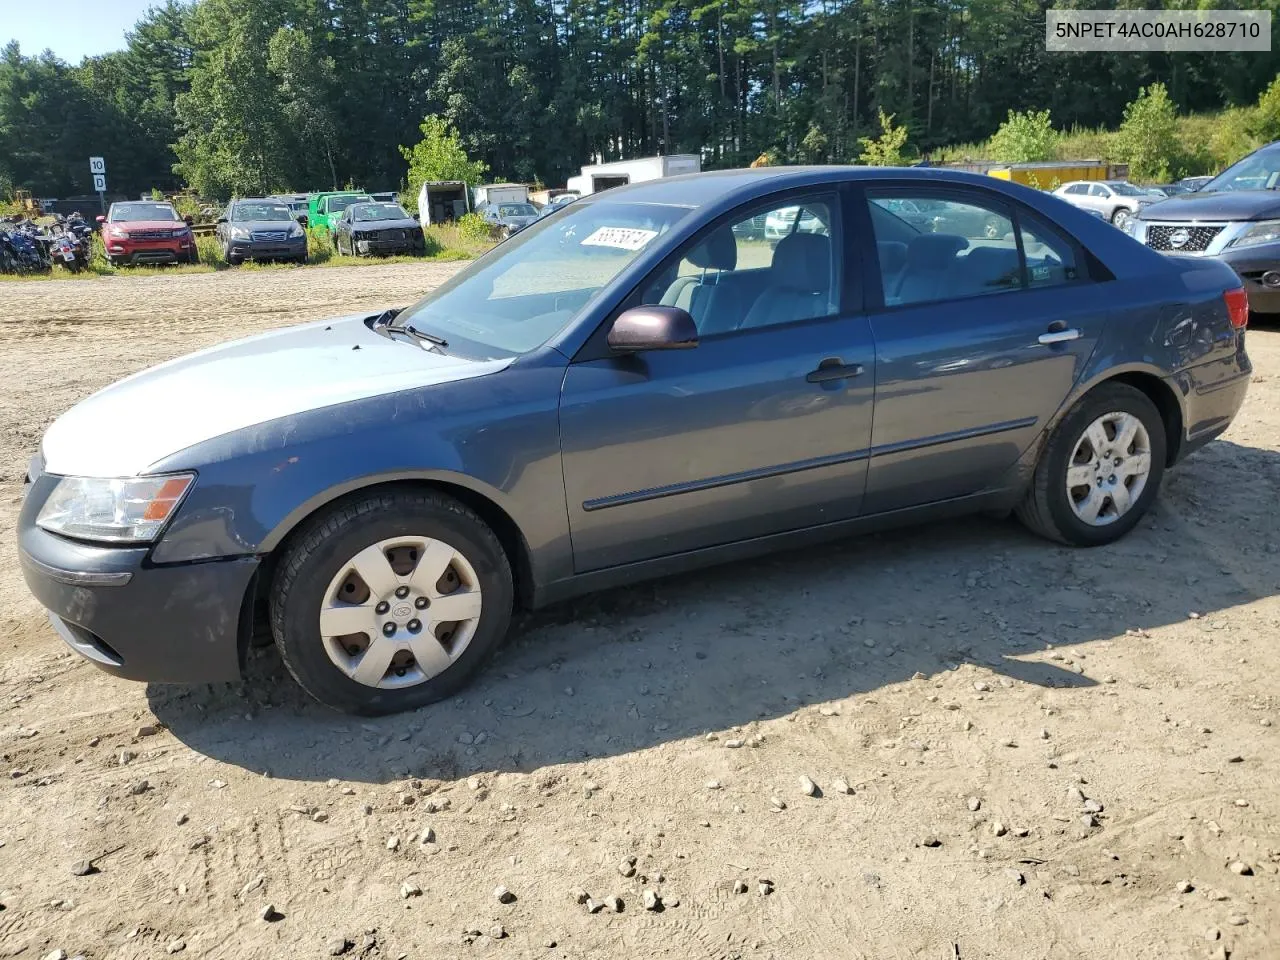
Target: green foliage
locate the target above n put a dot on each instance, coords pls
(210, 252)
(813, 147)
(1148, 137)
(1025, 137)
(1265, 121)
(439, 155)
(885, 150)
(250, 95)
(473, 228)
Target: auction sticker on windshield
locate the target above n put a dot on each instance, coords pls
(622, 238)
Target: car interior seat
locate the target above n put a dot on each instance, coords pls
(701, 294)
(799, 282)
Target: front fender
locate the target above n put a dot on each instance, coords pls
(494, 436)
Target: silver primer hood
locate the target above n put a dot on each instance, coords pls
(124, 429)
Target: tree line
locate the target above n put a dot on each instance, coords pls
(243, 96)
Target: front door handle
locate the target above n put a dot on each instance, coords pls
(1060, 336)
(833, 368)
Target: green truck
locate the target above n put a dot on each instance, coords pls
(324, 209)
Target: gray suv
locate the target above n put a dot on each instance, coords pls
(260, 228)
(1234, 218)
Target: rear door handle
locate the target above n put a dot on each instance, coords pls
(1060, 336)
(833, 368)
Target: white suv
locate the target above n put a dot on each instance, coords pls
(1113, 200)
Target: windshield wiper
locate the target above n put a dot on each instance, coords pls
(417, 334)
(385, 321)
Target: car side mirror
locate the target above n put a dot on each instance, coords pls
(100, 219)
(222, 220)
(301, 218)
(653, 328)
(188, 220)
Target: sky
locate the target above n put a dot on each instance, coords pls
(73, 29)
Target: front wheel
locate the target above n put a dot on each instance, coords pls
(1121, 217)
(391, 601)
(1100, 471)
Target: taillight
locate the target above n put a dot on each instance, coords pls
(1237, 307)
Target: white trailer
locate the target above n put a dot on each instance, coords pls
(602, 176)
(501, 193)
(442, 201)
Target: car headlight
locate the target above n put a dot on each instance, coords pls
(295, 230)
(239, 233)
(120, 233)
(1264, 231)
(116, 511)
(1136, 228)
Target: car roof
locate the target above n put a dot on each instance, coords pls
(711, 188)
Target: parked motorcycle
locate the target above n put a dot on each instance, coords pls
(68, 250)
(25, 248)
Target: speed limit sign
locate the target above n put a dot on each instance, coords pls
(97, 165)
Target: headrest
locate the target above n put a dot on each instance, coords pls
(934, 251)
(718, 252)
(802, 261)
(992, 268)
(893, 255)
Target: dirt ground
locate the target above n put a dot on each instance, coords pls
(1050, 753)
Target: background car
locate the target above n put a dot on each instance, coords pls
(324, 209)
(1234, 218)
(260, 228)
(508, 218)
(1192, 184)
(366, 229)
(147, 231)
(782, 223)
(1116, 200)
(297, 205)
(555, 203)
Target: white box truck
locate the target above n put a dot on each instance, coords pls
(602, 176)
(501, 193)
(442, 201)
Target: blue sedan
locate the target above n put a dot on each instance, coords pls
(636, 386)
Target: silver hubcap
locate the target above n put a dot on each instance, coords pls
(400, 612)
(1121, 218)
(1109, 468)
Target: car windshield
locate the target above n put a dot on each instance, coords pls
(1258, 171)
(527, 289)
(379, 211)
(143, 211)
(1126, 189)
(261, 210)
(338, 204)
(516, 210)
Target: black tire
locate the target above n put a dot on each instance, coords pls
(318, 551)
(1120, 215)
(1046, 509)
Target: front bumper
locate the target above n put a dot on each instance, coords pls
(159, 252)
(165, 624)
(407, 245)
(1258, 266)
(1253, 264)
(269, 249)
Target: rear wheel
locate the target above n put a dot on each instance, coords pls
(391, 602)
(1100, 470)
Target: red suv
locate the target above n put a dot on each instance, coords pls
(147, 231)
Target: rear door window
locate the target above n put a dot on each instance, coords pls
(959, 245)
(957, 248)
